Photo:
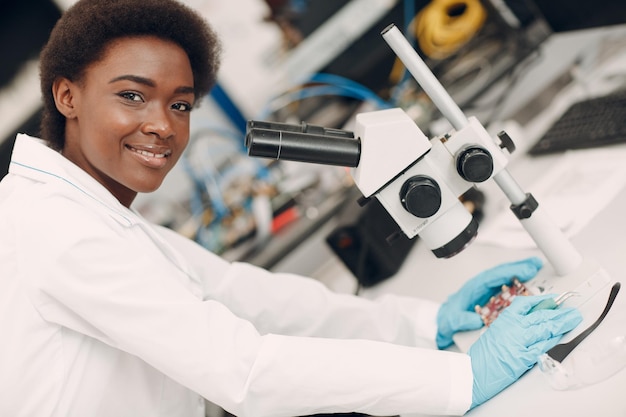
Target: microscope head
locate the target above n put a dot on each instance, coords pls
(417, 180)
(414, 180)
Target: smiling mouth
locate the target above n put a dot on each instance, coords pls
(150, 153)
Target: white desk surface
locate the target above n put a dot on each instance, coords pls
(603, 240)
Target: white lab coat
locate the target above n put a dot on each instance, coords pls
(104, 314)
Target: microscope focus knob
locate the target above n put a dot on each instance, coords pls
(421, 196)
(475, 164)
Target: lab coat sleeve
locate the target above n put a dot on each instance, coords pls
(375, 378)
(289, 304)
(109, 283)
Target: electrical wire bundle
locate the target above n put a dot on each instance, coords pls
(444, 26)
(230, 192)
(323, 85)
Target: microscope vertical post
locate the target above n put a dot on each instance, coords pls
(559, 251)
(424, 77)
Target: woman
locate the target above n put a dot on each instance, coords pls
(104, 314)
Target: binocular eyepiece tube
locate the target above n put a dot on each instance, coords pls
(303, 143)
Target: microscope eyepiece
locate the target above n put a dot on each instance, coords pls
(303, 143)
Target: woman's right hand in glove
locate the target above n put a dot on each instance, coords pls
(513, 343)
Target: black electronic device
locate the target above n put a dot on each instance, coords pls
(569, 15)
(363, 247)
(592, 122)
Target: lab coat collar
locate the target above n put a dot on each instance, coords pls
(33, 159)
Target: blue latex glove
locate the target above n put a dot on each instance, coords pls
(457, 313)
(514, 342)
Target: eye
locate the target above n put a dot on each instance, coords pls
(131, 96)
(182, 106)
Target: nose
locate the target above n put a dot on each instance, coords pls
(159, 123)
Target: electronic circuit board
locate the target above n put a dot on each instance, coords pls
(490, 311)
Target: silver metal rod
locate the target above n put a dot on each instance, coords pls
(509, 187)
(559, 251)
(424, 77)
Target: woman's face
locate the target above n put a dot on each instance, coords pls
(128, 119)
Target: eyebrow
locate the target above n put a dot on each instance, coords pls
(150, 83)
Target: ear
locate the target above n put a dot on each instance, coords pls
(63, 91)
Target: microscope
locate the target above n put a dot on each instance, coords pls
(416, 179)
(419, 181)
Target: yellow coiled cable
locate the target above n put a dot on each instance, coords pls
(442, 27)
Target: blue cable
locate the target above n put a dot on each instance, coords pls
(335, 86)
(331, 90)
(229, 108)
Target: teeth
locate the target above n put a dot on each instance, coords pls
(151, 154)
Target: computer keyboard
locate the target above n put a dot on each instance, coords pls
(588, 123)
